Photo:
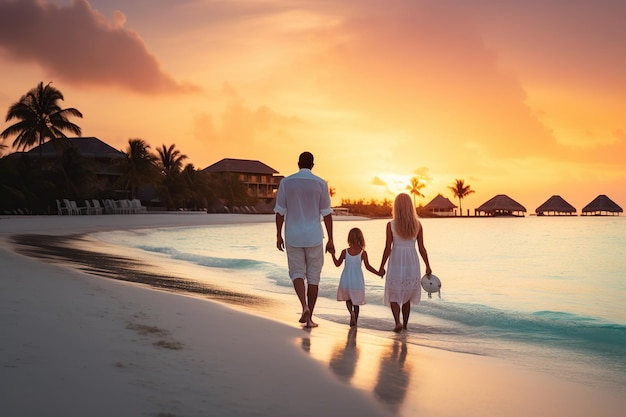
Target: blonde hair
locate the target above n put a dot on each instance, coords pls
(406, 224)
(356, 238)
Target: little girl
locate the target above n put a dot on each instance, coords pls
(352, 283)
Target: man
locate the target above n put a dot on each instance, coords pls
(302, 198)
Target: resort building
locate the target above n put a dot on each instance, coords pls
(101, 156)
(440, 206)
(501, 205)
(259, 178)
(602, 206)
(555, 206)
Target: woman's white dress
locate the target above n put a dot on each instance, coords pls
(402, 281)
(352, 282)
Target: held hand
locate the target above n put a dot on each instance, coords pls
(381, 272)
(330, 247)
(280, 244)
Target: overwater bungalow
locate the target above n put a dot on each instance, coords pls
(501, 205)
(602, 206)
(555, 206)
(440, 206)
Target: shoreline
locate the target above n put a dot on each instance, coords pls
(149, 341)
(85, 345)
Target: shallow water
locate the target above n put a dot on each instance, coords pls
(545, 292)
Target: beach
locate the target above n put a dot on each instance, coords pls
(75, 344)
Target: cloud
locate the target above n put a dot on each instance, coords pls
(242, 130)
(78, 45)
(378, 181)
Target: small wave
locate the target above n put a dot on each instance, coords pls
(560, 329)
(208, 261)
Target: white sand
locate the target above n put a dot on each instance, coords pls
(76, 345)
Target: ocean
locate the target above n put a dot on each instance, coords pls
(545, 292)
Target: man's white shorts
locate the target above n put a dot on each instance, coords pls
(305, 263)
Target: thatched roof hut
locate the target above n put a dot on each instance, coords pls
(501, 205)
(602, 206)
(555, 206)
(440, 206)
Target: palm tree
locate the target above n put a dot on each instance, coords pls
(171, 164)
(171, 160)
(460, 190)
(197, 187)
(138, 167)
(40, 118)
(415, 188)
(331, 190)
(232, 190)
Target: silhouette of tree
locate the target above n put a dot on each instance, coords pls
(331, 190)
(232, 190)
(415, 188)
(39, 118)
(198, 191)
(460, 190)
(138, 167)
(171, 164)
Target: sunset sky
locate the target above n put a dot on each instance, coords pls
(519, 97)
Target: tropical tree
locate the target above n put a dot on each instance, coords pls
(331, 190)
(460, 190)
(138, 167)
(170, 163)
(197, 187)
(73, 174)
(232, 190)
(40, 117)
(415, 187)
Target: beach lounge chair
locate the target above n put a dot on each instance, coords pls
(124, 206)
(110, 207)
(89, 209)
(97, 207)
(135, 203)
(92, 209)
(61, 209)
(72, 210)
(77, 210)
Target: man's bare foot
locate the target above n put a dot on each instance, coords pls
(352, 319)
(310, 324)
(306, 314)
(398, 328)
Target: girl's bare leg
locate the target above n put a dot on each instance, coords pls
(350, 309)
(356, 314)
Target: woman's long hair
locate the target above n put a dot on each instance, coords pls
(405, 219)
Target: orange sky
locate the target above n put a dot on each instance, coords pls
(524, 98)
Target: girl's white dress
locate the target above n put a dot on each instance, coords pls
(352, 281)
(402, 281)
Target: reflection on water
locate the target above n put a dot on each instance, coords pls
(394, 375)
(345, 356)
(382, 369)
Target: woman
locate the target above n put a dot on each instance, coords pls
(403, 272)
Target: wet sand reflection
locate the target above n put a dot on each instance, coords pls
(379, 366)
(394, 375)
(345, 357)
